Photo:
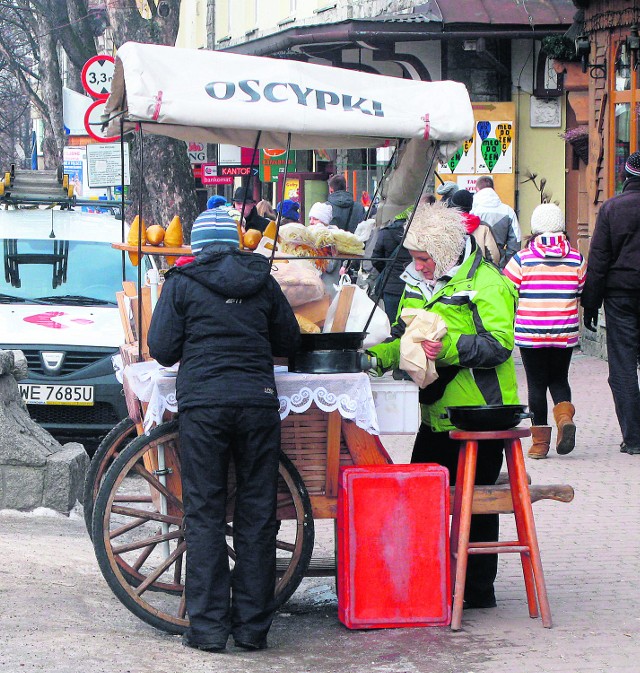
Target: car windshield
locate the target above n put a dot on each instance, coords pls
(67, 272)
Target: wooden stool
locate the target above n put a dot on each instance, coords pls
(526, 544)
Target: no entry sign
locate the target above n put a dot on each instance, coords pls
(93, 122)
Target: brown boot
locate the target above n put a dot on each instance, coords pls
(563, 413)
(541, 435)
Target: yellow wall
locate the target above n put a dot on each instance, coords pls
(541, 151)
(193, 25)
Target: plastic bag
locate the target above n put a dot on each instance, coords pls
(379, 328)
(300, 281)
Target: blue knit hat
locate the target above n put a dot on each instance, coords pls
(215, 201)
(214, 226)
(289, 209)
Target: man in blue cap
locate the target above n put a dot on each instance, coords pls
(224, 318)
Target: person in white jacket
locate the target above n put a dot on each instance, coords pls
(499, 216)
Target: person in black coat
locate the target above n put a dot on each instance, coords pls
(388, 242)
(224, 318)
(244, 202)
(613, 279)
(347, 214)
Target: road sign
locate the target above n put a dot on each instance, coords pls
(210, 176)
(197, 152)
(104, 165)
(93, 122)
(97, 74)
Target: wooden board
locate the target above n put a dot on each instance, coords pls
(154, 249)
(343, 308)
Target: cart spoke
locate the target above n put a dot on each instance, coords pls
(116, 532)
(286, 546)
(143, 557)
(139, 544)
(153, 481)
(149, 515)
(178, 551)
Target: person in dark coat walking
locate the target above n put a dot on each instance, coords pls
(347, 214)
(224, 318)
(613, 279)
(386, 245)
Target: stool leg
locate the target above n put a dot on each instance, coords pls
(456, 509)
(464, 523)
(530, 531)
(525, 557)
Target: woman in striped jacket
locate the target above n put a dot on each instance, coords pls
(549, 276)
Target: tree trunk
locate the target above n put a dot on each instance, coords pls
(50, 92)
(168, 185)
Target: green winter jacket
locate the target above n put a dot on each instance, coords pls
(478, 305)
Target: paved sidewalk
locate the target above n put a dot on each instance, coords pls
(57, 614)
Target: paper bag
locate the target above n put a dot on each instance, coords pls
(421, 325)
(379, 328)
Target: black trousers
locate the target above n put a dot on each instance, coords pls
(623, 342)
(438, 447)
(546, 369)
(220, 602)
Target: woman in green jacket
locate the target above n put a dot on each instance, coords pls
(449, 276)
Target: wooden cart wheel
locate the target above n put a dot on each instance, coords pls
(107, 451)
(138, 530)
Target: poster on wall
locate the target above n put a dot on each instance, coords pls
(494, 147)
(463, 161)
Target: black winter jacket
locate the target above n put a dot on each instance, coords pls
(613, 266)
(256, 221)
(388, 240)
(347, 214)
(223, 317)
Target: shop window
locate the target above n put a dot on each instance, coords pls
(625, 98)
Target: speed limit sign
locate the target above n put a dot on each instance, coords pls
(97, 75)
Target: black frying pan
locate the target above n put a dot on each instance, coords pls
(487, 417)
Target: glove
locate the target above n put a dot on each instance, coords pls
(590, 318)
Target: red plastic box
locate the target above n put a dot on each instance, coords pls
(393, 546)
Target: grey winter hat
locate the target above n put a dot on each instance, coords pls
(448, 188)
(547, 218)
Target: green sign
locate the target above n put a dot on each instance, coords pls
(272, 163)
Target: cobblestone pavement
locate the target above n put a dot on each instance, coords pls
(57, 615)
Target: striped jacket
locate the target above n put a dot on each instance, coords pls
(549, 276)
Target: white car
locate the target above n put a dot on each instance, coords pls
(58, 306)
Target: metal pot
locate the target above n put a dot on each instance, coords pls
(487, 417)
(331, 341)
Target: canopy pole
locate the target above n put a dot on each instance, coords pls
(141, 169)
(392, 259)
(279, 210)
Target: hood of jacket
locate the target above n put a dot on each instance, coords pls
(550, 245)
(228, 271)
(341, 198)
(486, 198)
(471, 222)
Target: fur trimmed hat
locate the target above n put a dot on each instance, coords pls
(214, 226)
(321, 211)
(547, 218)
(438, 231)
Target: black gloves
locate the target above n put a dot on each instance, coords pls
(590, 318)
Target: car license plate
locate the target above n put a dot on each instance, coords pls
(43, 393)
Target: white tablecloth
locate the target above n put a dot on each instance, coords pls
(350, 394)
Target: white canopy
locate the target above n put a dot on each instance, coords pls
(220, 97)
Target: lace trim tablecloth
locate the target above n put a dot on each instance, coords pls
(350, 394)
